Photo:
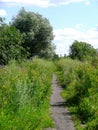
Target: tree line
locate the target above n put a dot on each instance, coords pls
(30, 34)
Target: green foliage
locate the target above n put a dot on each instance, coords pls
(10, 44)
(25, 95)
(80, 81)
(37, 32)
(70, 66)
(29, 34)
(81, 51)
(48, 53)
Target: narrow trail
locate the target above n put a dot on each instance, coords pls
(60, 114)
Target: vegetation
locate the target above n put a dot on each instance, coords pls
(80, 82)
(37, 33)
(82, 51)
(25, 86)
(25, 90)
(28, 35)
(10, 44)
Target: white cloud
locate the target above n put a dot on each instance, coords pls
(44, 3)
(87, 2)
(2, 13)
(66, 2)
(65, 37)
(40, 3)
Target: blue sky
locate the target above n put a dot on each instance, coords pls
(71, 19)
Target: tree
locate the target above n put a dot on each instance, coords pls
(36, 30)
(48, 53)
(81, 50)
(10, 44)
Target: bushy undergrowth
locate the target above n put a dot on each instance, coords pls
(80, 82)
(24, 95)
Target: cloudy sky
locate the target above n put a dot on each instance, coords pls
(71, 19)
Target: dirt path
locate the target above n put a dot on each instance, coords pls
(60, 114)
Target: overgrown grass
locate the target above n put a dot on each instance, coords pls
(25, 90)
(80, 82)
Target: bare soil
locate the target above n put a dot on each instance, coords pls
(60, 113)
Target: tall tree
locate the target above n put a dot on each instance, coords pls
(36, 30)
(81, 50)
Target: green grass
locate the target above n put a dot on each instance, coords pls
(25, 90)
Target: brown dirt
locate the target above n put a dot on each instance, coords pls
(60, 114)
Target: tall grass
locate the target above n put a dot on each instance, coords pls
(80, 82)
(25, 90)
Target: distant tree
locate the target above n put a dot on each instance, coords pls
(36, 30)
(65, 55)
(48, 53)
(10, 44)
(81, 50)
(2, 21)
(56, 57)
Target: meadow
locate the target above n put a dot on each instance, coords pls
(25, 90)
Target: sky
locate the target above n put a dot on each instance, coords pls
(71, 19)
